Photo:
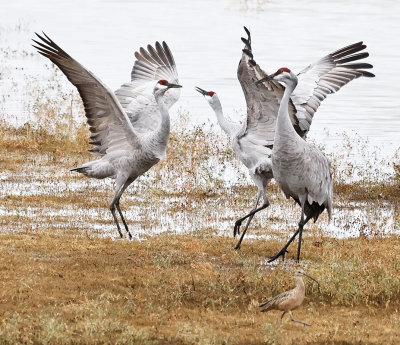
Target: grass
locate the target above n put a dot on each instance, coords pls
(181, 289)
(62, 282)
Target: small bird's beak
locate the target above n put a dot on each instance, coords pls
(319, 288)
(203, 92)
(172, 86)
(269, 77)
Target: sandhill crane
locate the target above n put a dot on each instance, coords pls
(253, 140)
(289, 300)
(129, 130)
(299, 168)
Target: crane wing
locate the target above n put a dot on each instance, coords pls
(155, 63)
(109, 125)
(262, 100)
(326, 76)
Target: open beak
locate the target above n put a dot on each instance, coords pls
(172, 86)
(304, 274)
(203, 92)
(269, 77)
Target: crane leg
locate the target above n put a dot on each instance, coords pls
(283, 251)
(115, 204)
(283, 314)
(112, 209)
(236, 230)
(301, 225)
(122, 190)
(251, 215)
(294, 320)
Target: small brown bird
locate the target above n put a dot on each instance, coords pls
(289, 300)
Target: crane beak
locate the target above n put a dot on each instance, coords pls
(203, 92)
(304, 274)
(267, 78)
(172, 86)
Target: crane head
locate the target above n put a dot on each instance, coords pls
(164, 85)
(205, 93)
(282, 75)
(211, 97)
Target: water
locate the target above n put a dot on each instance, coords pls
(205, 39)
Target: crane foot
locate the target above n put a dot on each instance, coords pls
(236, 229)
(282, 253)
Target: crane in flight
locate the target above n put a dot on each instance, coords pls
(253, 140)
(129, 129)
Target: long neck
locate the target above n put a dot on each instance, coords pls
(161, 134)
(284, 125)
(223, 122)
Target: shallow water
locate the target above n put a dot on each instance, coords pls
(205, 39)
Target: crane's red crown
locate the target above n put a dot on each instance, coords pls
(210, 93)
(283, 69)
(163, 82)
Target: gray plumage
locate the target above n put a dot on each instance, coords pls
(289, 300)
(299, 168)
(129, 130)
(253, 140)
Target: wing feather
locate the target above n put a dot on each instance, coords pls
(262, 100)
(327, 76)
(274, 302)
(105, 116)
(152, 64)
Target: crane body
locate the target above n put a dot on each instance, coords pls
(299, 168)
(253, 140)
(129, 129)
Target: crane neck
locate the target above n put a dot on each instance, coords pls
(284, 124)
(162, 132)
(222, 121)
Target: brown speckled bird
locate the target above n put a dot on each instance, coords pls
(289, 300)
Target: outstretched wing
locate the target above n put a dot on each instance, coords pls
(109, 125)
(155, 63)
(327, 76)
(262, 100)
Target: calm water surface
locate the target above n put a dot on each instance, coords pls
(205, 39)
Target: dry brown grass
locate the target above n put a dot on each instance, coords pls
(58, 289)
(61, 283)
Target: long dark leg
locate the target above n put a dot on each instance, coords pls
(114, 202)
(283, 251)
(301, 225)
(112, 209)
(126, 184)
(294, 320)
(251, 215)
(282, 316)
(236, 229)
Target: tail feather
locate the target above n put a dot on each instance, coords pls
(97, 169)
(266, 306)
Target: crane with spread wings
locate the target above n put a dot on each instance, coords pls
(129, 129)
(253, 140)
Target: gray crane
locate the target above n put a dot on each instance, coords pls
(129, 129)
(253, 140)
(299, 168)
(289, 300)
